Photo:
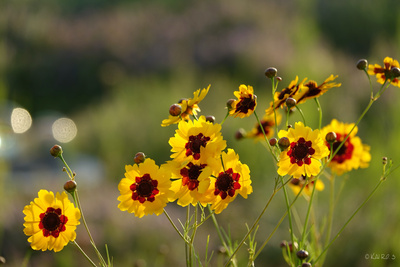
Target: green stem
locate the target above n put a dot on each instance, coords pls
(84, 254)
(174, 226)
(254, 225)
(320, 112)
(331, 210)
(303, 236)
(302, 115)
(279, 223)
(348, 221)
(265, 137)
(274, 87)
(78, 203)
(226, 116)
(289, 213)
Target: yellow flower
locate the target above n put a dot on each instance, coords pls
(232, 178)
(246, 103)
(50, 221)
(190, 181)
(303, 155)
(384, 73)
(197, 140)
(145, 189)
(296, 185)
(280, 97)
(268, 123)
(312, 90)
(353, 154)
(188, 107)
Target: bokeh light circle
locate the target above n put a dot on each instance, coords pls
(64, 130)
(21, 120)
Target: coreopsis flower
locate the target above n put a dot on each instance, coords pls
(50, 221)
(384, 73)
(231, 178)
(246, 103)
(145, 189)
(187, 107)
(281, 97)
(303, 155)
(297, 183)
(197, 140)
(268, 123)
(190, 181)
(312, 90)
(353, 154)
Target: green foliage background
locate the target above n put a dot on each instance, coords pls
(115, 67)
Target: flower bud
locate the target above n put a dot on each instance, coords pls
(330, 137)
(384, 160)
(229, 104)
(284, 143)
(362, 64)
(394, 72)
(292, 246)
(279, 79)
(139, 157)
(273, 141)
(56, 151)
(175, 110)
(70, 186)
(290, 102)
(302, 254)
(240, 134)
(283, 244)
(210, 119)
(306, 264)
(271, 72)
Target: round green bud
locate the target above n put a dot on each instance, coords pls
(56, 151)
(270, 72)
(302, 254)
(175, 110)
(290, 102)
(139, 157)
(273, 141)
(240, 134)
(394, 72)
(284, 143)
(330, 137)
(210, 119)
(70, 186)
(362, 64)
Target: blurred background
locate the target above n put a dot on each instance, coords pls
(98, 77)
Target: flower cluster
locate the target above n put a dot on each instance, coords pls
(200, 170)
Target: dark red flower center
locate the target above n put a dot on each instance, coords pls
(346, 150)
(144, 189)
(52, 222)
(245, 104)
(190, 174)
(266, 124)
(195, 143)
(227, 183)
(313, 89)
(300, 152)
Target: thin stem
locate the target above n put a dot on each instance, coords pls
(302, 115)
(331, 210)
(308, 213)
(78, 203)
(279, 223)
(265, 137)
(348, 221)
(84, 254)
(174, 226)
(226, 116)
(254, 225)
(289, 218)
(274, 87)
(320, 112)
